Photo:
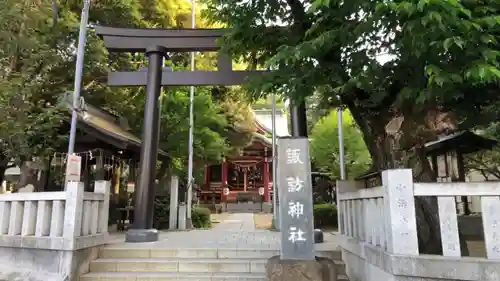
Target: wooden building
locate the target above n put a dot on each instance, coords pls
(242, 176)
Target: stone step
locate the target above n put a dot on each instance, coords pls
(185, 265)
(221, 253)
(179, 265)
(340, 265)
(112, 252)
(167, 276)
(342, 277)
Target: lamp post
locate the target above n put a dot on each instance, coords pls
(78, 74)
(189, 222)
(341, 142)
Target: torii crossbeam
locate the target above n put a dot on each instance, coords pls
(173, 40)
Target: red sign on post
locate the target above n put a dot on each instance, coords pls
(73, 167)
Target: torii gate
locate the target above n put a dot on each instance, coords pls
(155, 43)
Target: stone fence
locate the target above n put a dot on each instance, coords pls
(378, 228)
(53, 231)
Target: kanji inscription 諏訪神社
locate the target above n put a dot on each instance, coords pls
(297, 240)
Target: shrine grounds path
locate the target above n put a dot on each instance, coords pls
(236, 231)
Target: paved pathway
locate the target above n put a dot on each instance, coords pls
(237, 231)
(236, 222)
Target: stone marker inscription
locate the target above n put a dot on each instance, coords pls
(295, 196)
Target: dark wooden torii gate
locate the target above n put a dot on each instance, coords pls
(156, 43)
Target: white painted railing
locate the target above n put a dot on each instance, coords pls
(65, 220)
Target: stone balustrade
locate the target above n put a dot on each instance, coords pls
(64, 220)
(378, 230)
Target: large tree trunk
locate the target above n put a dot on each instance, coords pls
(165, 176)
(28, 175)
(405, 149)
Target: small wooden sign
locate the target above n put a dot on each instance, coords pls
(73, 168)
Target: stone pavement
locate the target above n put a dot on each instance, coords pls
(237, 231)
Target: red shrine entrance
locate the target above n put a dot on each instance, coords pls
(243, 175)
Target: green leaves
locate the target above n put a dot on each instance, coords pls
(325, 148)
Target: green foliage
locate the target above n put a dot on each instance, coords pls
(325, 215)
(201, 218)
(325, 148)
(37, 63)
(162, 212)
(384, 58)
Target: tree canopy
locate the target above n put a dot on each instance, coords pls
(37, 64)
(439, 54)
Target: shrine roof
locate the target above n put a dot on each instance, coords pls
(464, 142)
(93, 119)
(263, 121)
(263, 139)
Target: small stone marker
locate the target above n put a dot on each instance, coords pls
(296, 221)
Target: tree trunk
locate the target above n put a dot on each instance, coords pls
(28, 175)
(406, 150)
(165, 176)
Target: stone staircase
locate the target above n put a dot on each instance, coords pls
(139, 264)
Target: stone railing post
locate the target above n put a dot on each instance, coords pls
(399, 211)
(73, 211)
(174, 202)
(103, 187)
(344, 209)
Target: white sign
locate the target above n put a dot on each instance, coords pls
(225, 191)
(261, 191)
(73, 167)
(131, 187)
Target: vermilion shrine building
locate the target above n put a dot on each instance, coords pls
(249, 171)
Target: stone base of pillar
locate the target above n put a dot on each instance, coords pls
(318, 236)
(321, 269)
(189, 224)
(141, 235)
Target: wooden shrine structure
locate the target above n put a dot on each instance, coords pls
(241, 174)
(447, 159)
(244, 174)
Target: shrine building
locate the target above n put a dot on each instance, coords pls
(244, 174)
